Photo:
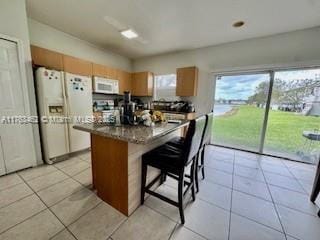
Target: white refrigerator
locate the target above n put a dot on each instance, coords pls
(63, 99)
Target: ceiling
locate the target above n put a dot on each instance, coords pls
(173, 25)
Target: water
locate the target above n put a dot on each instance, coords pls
(221, 109)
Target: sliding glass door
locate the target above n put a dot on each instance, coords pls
(240, 109)
(274, 112)
(294, 122)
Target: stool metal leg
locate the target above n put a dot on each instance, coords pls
(202, 161)
(196, 173)
(163, 177)
(180, 196)
(193, 181)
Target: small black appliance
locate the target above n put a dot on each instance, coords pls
(128, 109)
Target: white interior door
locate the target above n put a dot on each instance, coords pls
(16, 139)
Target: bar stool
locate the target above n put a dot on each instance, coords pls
(205, 140)
(172, 161)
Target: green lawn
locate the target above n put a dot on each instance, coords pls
(242, 129)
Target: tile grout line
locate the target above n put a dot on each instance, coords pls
(75, 174)
(53, 212)
(212, 182)
(22, 221)
(47, 207)
(231, 199)
(174, 229)
(176, 221)
(19, 172)
(270, 202)
(78, 158)
(274, 173)
(48, 185)
(288, 189)
(69, 165)
(274, 205)
(14, 185)
(66, 226)
(200, 199)
(283, 232)
(18, 200)
(90, 166)
(196, 233)
(252, 220)
(57, 184)
(259, 223)
(58, 234)
(297, 180)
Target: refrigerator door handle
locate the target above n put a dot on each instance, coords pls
(66, 110)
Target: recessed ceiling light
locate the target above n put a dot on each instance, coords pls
(238, 24)
(129, 33)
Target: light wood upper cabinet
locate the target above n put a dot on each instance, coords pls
(104, 71)
(142, 84)
(99, 70)
(46, 58)
(125, 79)
(187, 81)
(112, 73)
(77, 66)
(139, 84)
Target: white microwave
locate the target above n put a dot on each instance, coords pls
(104, 85)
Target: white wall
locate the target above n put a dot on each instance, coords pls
(13, 23)
(47, 37)
(292, 49)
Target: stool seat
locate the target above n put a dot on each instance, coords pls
(165, 157)
(176, 142)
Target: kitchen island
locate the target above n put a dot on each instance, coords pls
(116, 159)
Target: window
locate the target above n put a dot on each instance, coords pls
(165, 87)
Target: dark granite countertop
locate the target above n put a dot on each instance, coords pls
(135, 134)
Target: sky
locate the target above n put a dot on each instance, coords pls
(238, 87)
(243, 86)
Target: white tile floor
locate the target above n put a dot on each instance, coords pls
(243, 197)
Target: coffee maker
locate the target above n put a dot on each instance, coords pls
(128, 109)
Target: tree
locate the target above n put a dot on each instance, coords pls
(291, 92)
(295, 91)
(261, 94)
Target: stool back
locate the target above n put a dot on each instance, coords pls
(193, 138)
(208, 130)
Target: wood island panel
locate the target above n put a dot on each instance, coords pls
(110, 171)
(116, 170)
